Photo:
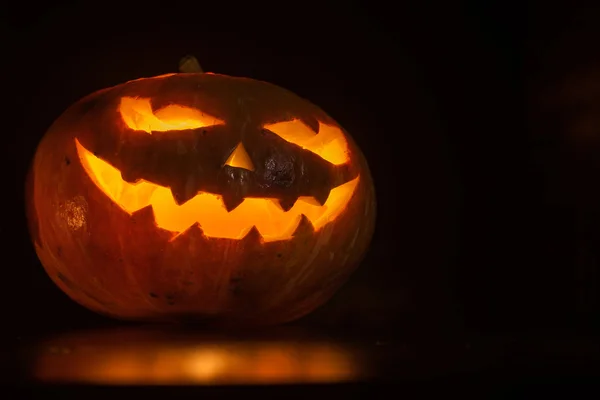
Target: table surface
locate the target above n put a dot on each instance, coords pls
(154, 356)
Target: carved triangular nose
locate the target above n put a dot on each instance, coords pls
(240, 159)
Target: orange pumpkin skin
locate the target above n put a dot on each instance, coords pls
(122, 264)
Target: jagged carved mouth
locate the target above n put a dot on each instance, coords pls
(208, 209)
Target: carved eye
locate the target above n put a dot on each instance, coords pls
(138, 115)
(329, 144)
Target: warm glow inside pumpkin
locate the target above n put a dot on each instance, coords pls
(272, 222)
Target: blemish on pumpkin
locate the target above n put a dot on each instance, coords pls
(153, 295)
(234, 285)
(97, 300)
(171, 302)
(67, 161)
(64, 280)
(354, 239)
(279, 255)
(74, 213)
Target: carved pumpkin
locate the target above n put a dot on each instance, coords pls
(200, 196)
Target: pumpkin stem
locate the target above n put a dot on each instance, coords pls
(189, 63)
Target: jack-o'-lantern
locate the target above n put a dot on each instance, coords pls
(199, 196)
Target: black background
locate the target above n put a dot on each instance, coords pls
(477, 119)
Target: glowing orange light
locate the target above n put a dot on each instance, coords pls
(330, 143)
(240, 159)
(159, 363)
(208, 210)
(138, 115)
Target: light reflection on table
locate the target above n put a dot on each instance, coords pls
(137, 356)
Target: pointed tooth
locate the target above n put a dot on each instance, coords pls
(341, 174)
(130, 176)
(320, 194)
(231, 200)
(287, 202)
(178, 196)
(193, 232)
(191, 236)
(195, 229)
(305, 227)
(143, 216)
(183, 192)
(143, 223)
(253, 236)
